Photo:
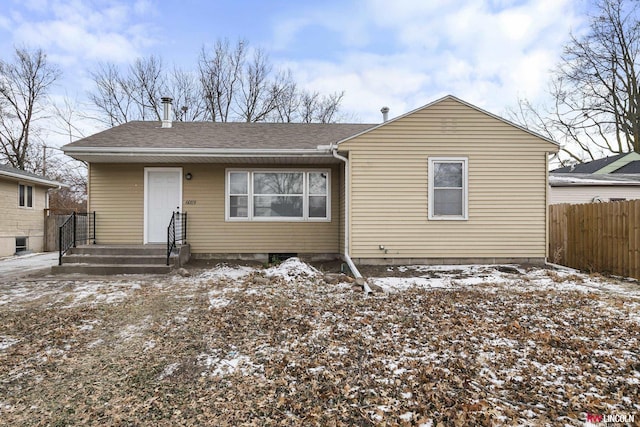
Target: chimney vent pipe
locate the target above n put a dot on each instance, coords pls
(166, 109)
(385, 113)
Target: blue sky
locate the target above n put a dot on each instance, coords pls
(399, 53)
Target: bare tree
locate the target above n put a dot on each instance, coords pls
(133, 95)
(111, 96)
(328, 107)
(232, 83)
(220, 74)
(595, 93)
(24, 85)
(258, 94)
(287, 105)
(67, 119)
(251, 90)
(188, 96)
(146, 84)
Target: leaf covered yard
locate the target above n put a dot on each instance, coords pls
(241, 345)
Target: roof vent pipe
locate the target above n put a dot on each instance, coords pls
(385, 113)
(166, 109)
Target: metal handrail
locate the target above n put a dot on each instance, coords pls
(80, 227)
(176, 232)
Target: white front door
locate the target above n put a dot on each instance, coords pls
(163, 196)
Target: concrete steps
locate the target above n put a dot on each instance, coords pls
(119, 259)
(110, 269)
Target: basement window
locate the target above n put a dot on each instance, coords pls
(278, 195)
(21, 244)
(25, 196)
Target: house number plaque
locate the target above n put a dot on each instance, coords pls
(189, 202)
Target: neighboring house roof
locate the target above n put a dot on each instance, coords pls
(613, 164)
(454, 98)
(591, 179)
(212, 138)
(631, 167)
(20, 175)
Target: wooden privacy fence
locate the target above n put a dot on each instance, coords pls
(52, 222)
(596, 237)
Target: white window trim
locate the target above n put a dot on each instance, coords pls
(465, 189)
(26, 192)
(305, 196)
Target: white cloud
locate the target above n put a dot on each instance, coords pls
(486, 52)
(401, 53)
(81, 30)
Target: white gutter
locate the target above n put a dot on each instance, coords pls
(192, 151)
(359, 279)
(32, 179)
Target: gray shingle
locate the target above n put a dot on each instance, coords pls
(28, 176)
(589, 167)
(244, 136)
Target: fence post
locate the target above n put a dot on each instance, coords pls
(93, 215)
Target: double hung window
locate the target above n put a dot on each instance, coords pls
(278, 195)
(25, 196)
(448, 188)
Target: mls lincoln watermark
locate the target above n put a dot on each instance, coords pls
(609, 419)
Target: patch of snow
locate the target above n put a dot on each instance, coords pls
(398, 284)
(407, 416)
(231, 363)
(292, 269)
(87, 325)
(168, 371)
(6, 342)
(503, 342)
(317, 370)
(95, 343)
(181, 319)
(21, 264)
(224, 271)
(218, 302)
(132, 331)
(98, 292)
(149, 345)
(341, 350)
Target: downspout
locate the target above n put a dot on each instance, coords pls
(359, 279)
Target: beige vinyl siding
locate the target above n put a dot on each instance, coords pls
(506, 187)
(587, 193)
(21, 221)
(117, 197)
(118, 187)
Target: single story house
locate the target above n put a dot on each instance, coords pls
(24, 197)
(609, 179)
(447, 182)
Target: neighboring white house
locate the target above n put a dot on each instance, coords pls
(589, 188)
(609, 179)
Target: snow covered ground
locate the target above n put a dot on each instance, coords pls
(457, 345)
(20, 265)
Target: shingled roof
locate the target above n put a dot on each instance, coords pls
(631, 167)
(14, 174)
(216, 135)
(589, 167)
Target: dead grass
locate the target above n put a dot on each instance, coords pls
(218, 351)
